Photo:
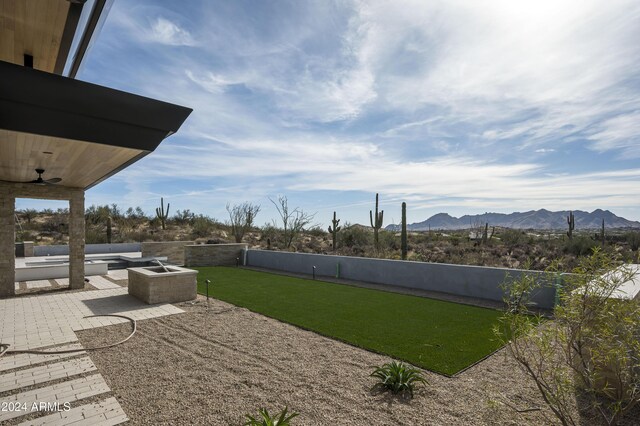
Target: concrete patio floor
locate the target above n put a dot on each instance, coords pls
(45, 320)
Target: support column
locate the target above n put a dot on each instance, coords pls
(76, 239)
(7, 242)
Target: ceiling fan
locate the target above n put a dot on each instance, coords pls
(40, 180)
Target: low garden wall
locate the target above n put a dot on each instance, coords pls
(213, 254)
(172, 250)
(469, 281)
(61, 250)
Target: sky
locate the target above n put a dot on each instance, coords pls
(452, 106)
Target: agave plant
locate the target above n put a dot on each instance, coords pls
(397, 377)
(280, 419)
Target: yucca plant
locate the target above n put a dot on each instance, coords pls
(280, 419)
(397, 377)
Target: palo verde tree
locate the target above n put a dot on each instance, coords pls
(241, 218)
(293, 220)
(591, 347)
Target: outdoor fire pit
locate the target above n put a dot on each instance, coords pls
(162, 284)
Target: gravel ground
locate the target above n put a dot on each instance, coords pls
(212, 367)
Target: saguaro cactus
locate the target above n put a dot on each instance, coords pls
(403, 235)
(602, 233)
(334, 230)
(161, 214)
(109, 229)
(572, 224)
(377, 223)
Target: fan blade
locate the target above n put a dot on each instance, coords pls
(53, 180)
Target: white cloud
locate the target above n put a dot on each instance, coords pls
(167, 32)
(619, 133)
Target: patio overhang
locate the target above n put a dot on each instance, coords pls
(78, 131)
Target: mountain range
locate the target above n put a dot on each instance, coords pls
(534, 219)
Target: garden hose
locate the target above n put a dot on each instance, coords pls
(4, 347)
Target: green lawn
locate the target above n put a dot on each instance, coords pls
(440, 336)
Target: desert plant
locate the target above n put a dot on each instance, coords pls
(161, 214)
(377, 223)
(293, 220)
(580, 245)
(185, 217)
(354, 236)
(241, 217)
(283, 418)
(398, 378)
(572, 224)
(28, 214)
(512, 237)
(202, 226)
(403, 233)
(109, 229)
(333, 230)
(590, 349)
(633, 239)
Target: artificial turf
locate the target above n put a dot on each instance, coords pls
(440, 336)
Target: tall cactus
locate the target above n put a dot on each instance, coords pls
(334, 230)
(161, 214)
(602, 233)
(109, 220)
(377, 224)
(403, 235)
(572, 224)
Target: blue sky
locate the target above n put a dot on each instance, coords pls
(452, 106)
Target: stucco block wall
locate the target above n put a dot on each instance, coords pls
(213, 254)
(172, 250)
(8, 193)
(469, 281)
(7, 237)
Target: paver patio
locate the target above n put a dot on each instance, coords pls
(44, 320)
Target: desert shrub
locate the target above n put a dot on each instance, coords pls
(591, 349)
(95, 236)
(269, 232)
(513, 237)
(388, 240)
(283, 418)
(398, 378)
(135, 214)
(316, 231)
(454, 240)
(633, 239)
(202, 226)
(354, 236)
(26, 236)
(580, 245)
(184, 217)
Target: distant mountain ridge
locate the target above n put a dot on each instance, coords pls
(534, 219)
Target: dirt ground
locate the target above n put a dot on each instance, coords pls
(214, 366)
